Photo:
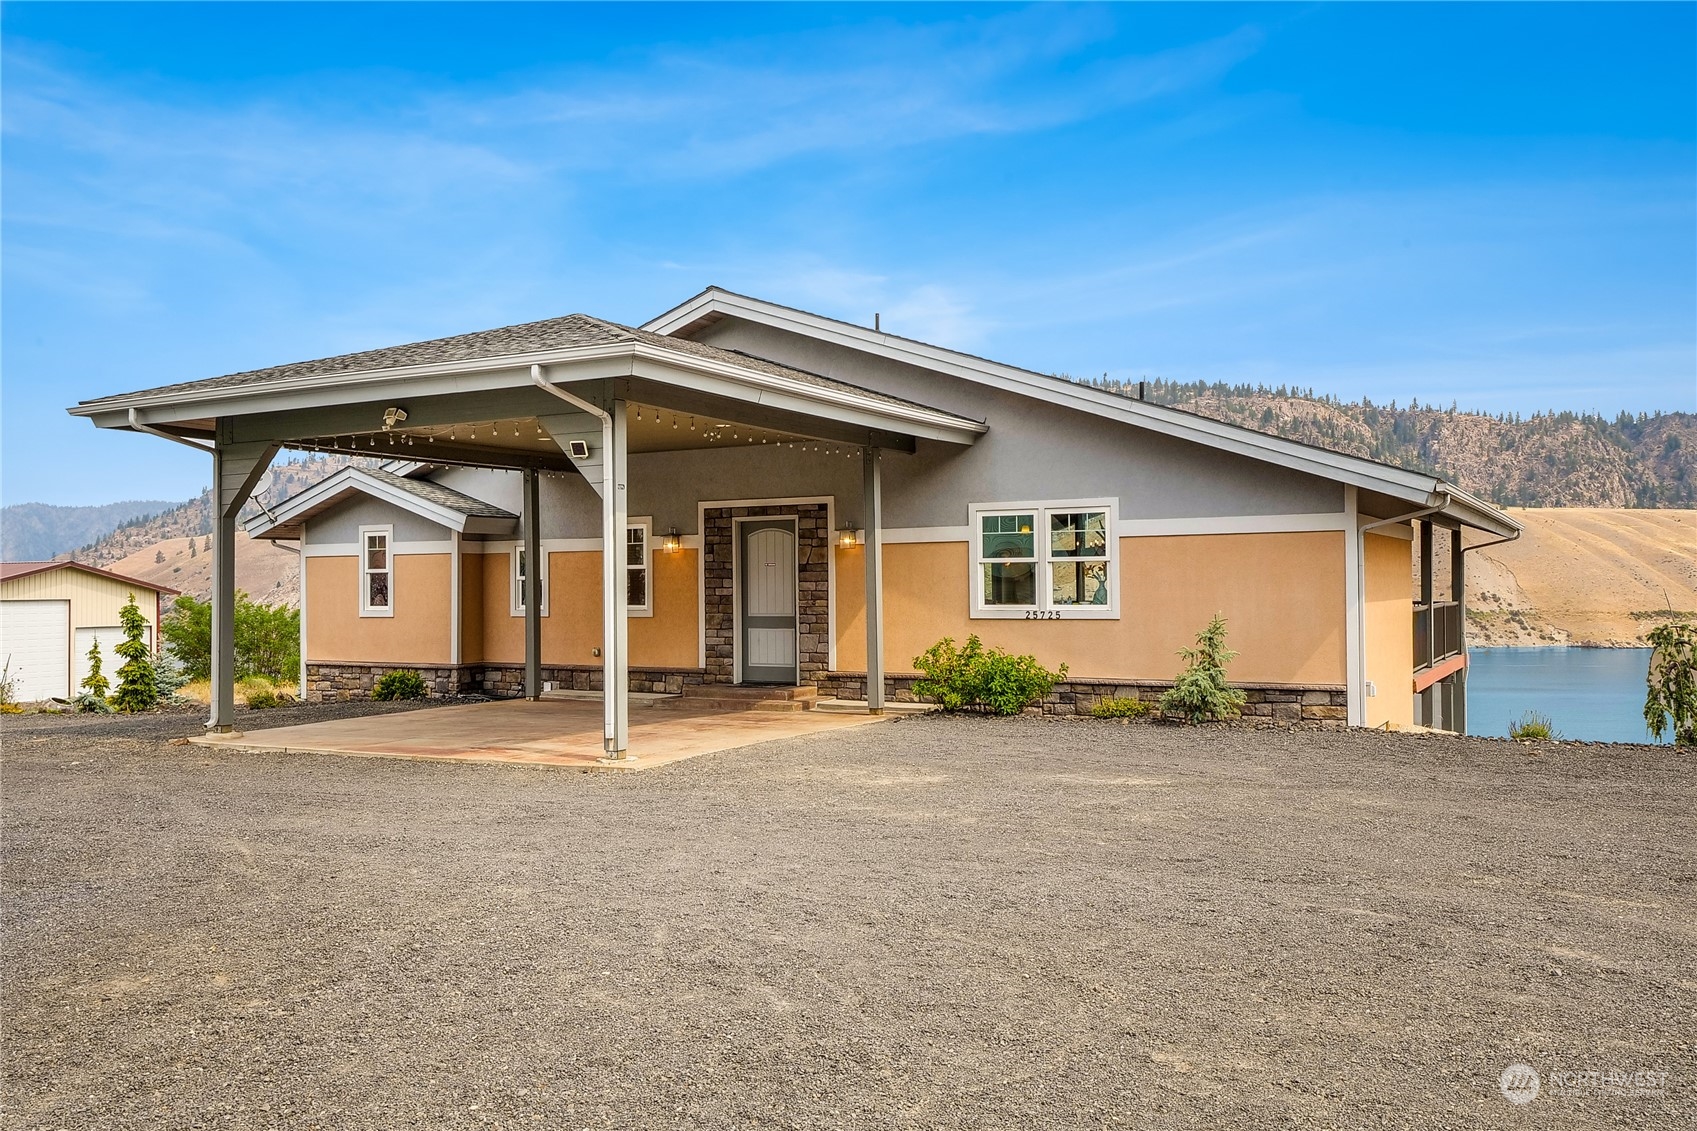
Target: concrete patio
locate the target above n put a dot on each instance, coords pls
(549, 732)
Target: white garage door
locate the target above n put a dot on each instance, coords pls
(110, 661)
(35, 644)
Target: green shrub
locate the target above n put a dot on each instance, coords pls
(1116, 707)
(267, 638)
(261, 698)
(136, 688)
(1670, 700)
(402, 684)
(1533, 727)
(90, 703)
(1201, 691)
(95, 682)
(971, 678)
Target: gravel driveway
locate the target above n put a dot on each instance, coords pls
(930, 923)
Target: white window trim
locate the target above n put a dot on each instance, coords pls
(647, 525)
(1043, 610)
(515, 592)
(365, 607)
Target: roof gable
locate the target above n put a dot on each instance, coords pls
(1418, 489)
(430, 500)
(12, 570)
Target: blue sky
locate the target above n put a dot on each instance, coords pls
(1493, 205)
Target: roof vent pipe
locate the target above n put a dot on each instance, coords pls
(876, 320)
(1142, 389)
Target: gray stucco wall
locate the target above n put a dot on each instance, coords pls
(1036, 450)
(340, 525)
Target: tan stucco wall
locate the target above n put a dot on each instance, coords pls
(851, 607)
(1389, 624)
(419, 632)
(572, 629)
(472, 614)
(1282, 596)
(96, 601)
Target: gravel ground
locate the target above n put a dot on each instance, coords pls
(931, 923)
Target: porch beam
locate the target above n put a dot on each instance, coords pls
(872, 495)
(532, 584)
(236, 467)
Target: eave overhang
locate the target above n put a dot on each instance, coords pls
(193, 408)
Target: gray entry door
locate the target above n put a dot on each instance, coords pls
(768, 601)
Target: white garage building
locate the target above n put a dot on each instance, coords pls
(51, 613)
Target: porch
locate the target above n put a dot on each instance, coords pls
(564, 732)
(571, 399)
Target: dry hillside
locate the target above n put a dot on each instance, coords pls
(264, 570)
(1583, 576)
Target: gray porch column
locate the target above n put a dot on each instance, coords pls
(1458, 594)
(235, 469)
(872, 496)
(532, 585)
(615, 658)
(1428, 697)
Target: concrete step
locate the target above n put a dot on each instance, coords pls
(858, 707)
(730, 697)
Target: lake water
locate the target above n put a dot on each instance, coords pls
(1596, 694)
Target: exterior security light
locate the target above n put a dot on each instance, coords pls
(392, 417)
(577, 449)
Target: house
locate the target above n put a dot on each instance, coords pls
(740, 492)
(53, 613)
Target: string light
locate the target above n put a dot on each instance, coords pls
(674, 422)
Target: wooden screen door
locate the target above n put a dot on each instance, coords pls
(769, 601)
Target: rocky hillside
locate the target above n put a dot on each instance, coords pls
(194, 517)
(1545, 460)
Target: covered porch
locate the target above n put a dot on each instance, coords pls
(555, 731)
(579, 401)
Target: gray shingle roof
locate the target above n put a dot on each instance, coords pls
(438, 494)
(507, 341)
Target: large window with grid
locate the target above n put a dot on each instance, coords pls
(1045, 561)
(376, 572)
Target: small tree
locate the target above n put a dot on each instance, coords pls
(1201, 691)
(137, 690)
(193, 549)
(95, 682)
(267, 638)
(158, 557)
(1670, 701)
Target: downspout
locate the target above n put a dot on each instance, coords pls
(1361, 586)
(609, 564)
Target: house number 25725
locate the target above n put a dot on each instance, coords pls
(1051, 614)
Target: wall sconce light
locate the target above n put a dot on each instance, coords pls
(849, 537)
(672, 543)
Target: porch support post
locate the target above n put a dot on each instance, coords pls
(615, 634)
(532, 585)
(1458, 594)
(235, 469)
(1428, 697)
(872, 493)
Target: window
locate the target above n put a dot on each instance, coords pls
(376, 572)
(1045, 561)
(638, 558)
(517, 579)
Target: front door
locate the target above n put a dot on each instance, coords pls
(768, 591)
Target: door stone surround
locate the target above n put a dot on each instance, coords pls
(813, 609)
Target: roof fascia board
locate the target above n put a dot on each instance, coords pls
(1408, 485)
(623, 359)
